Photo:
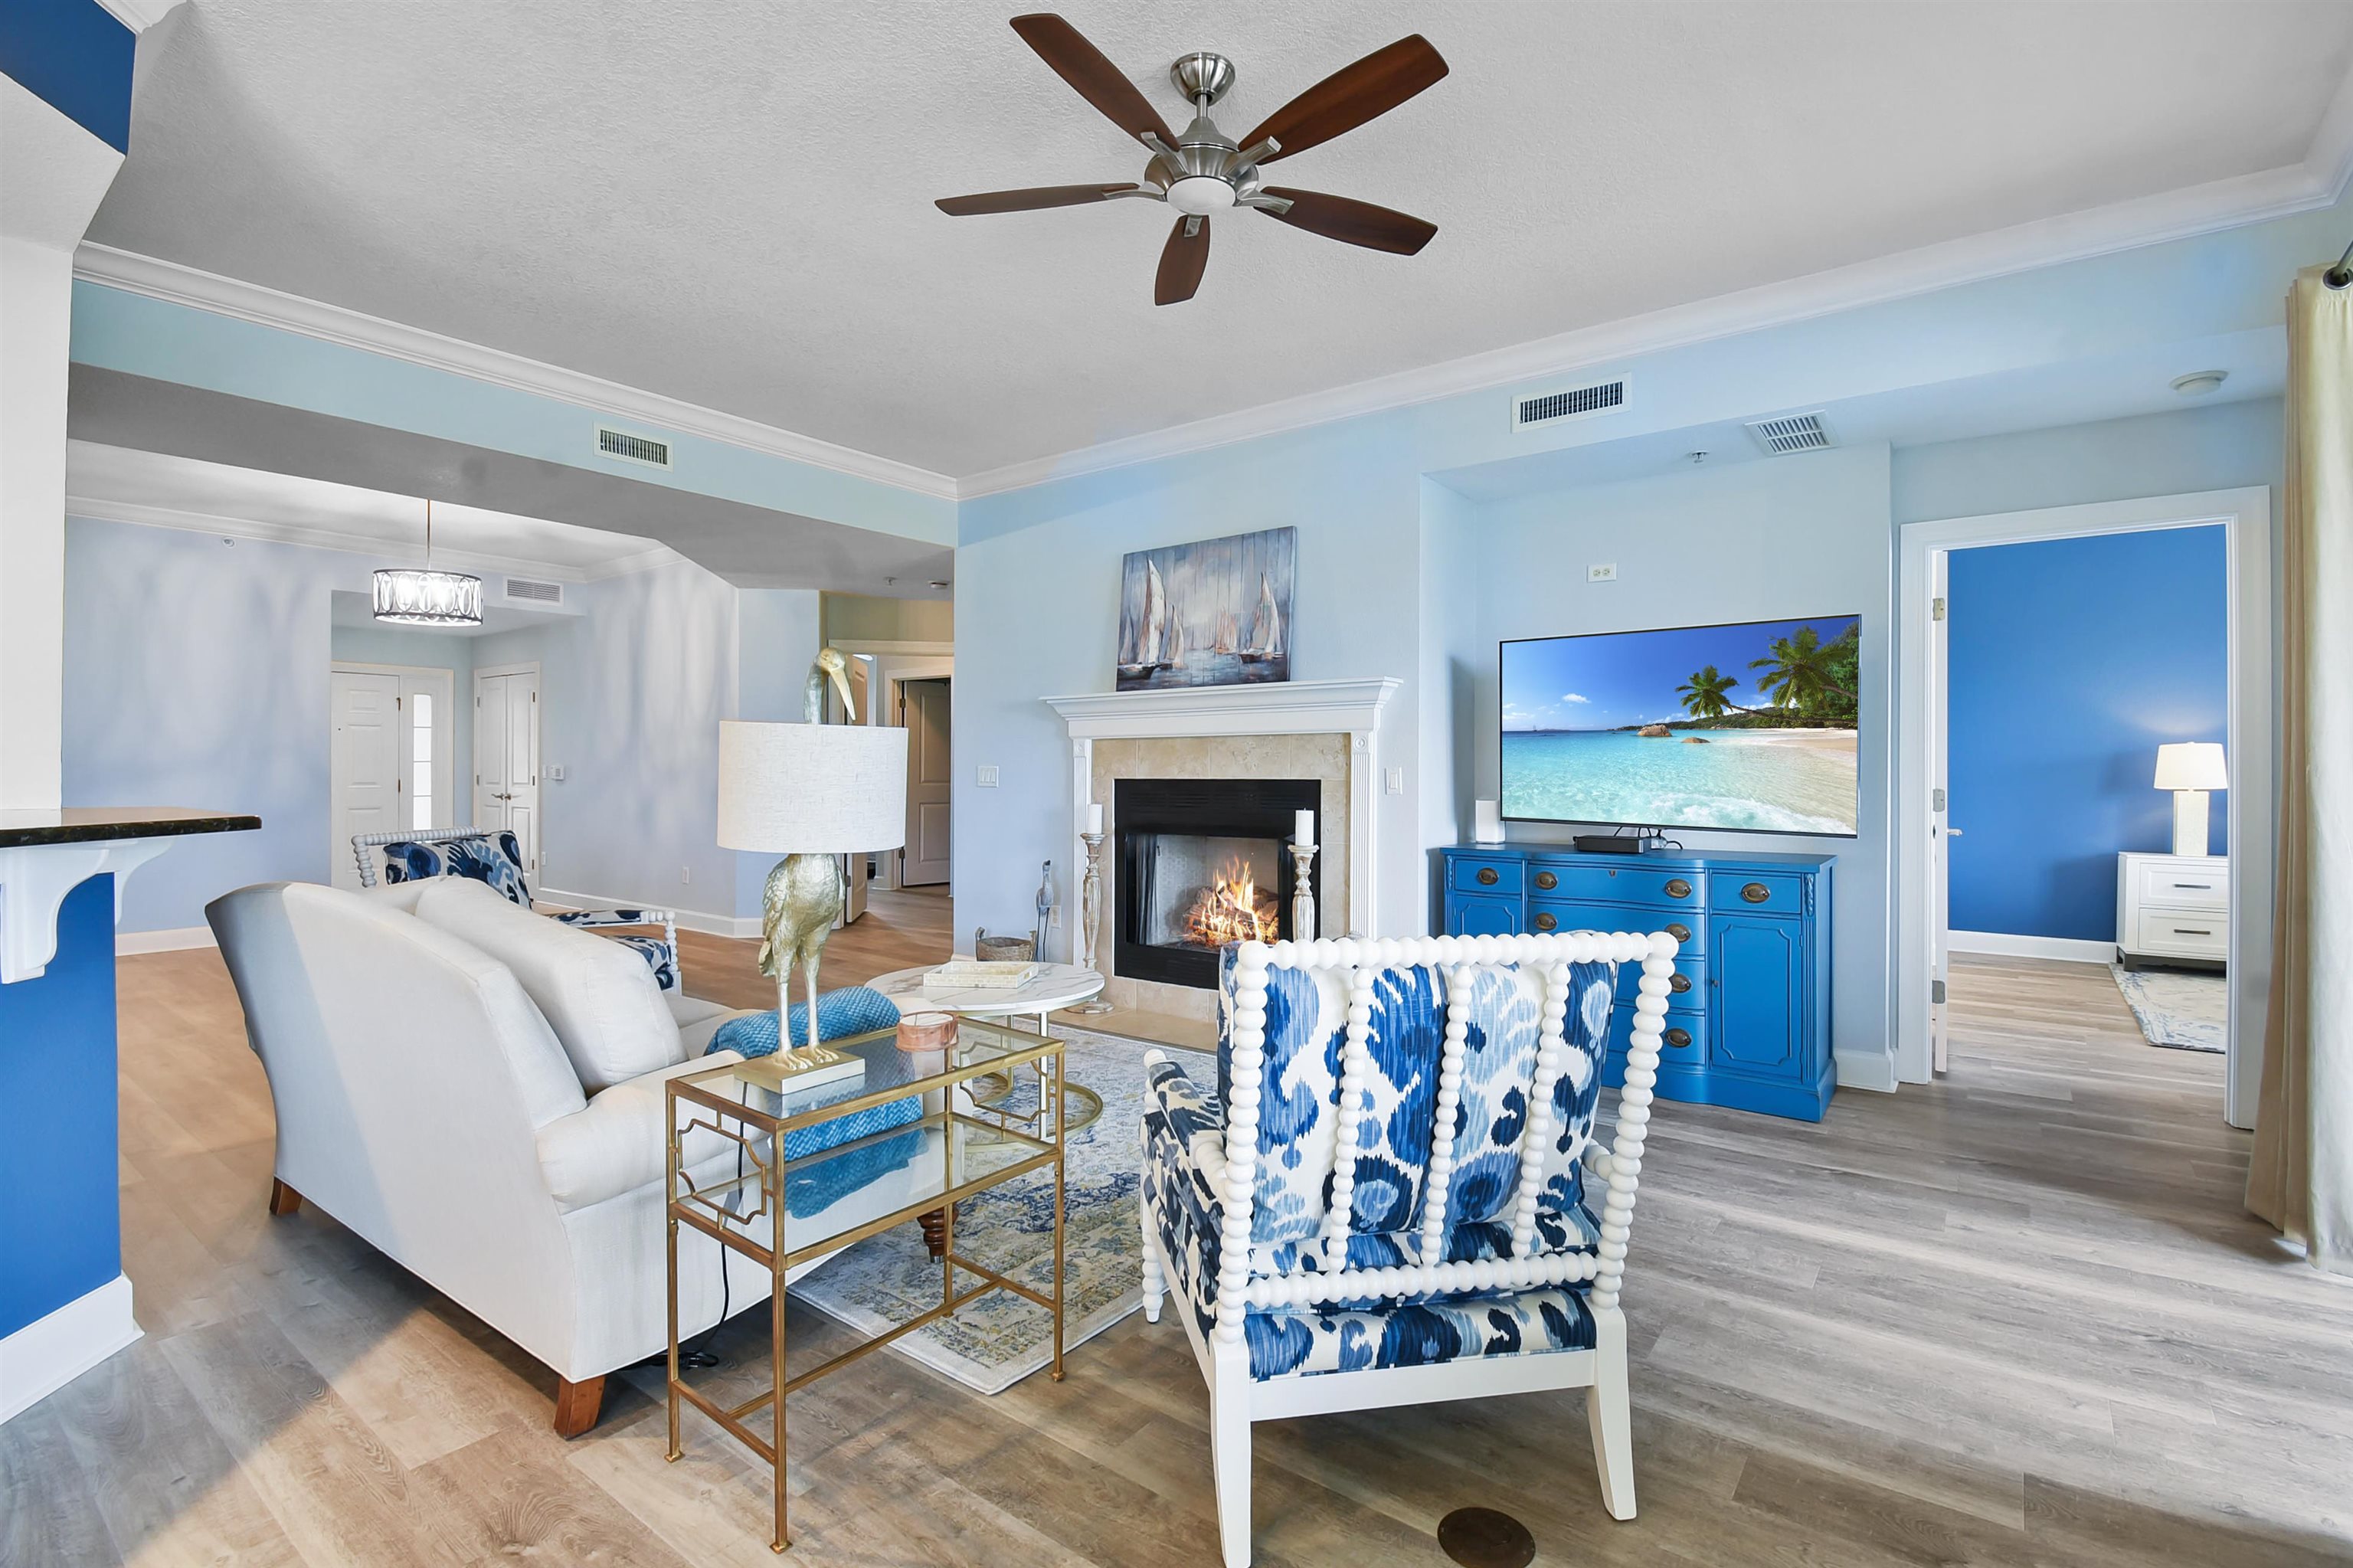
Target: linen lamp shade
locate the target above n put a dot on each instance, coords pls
(811, 789)
(2190, 765)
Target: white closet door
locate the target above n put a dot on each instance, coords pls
(506, 759)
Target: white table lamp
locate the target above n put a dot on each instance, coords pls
(2190, 768)
(809, 792)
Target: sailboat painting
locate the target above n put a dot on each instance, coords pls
(1216, 612)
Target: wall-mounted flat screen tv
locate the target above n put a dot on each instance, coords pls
(1748, 727)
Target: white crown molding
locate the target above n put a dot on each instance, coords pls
(139, 15)
(319, 538)
(2318, 182)
(180, 285)
(1273, 707)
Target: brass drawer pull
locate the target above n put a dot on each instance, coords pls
(1679, 931)
(1545, 923)
(1756, 893)
(1679, 983)
(1487, 877)
(1678, 1038)
(1546, 882)
(1678, 888)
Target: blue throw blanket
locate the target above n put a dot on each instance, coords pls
(854, 1010)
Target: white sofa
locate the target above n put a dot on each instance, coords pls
(481, 1096)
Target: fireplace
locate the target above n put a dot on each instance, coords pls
(1199, 862)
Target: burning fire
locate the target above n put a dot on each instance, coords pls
(1233, 908)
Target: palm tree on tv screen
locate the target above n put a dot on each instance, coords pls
(1801, 671)
(1704, 693)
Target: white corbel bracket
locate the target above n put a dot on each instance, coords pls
(34, 882)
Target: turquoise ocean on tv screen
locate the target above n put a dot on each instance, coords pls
(1755, 780)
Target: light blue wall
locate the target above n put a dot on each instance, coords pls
(427, 651)
(778, 631)
(1796, 536)
(2071, 662)
(195, 675)
(2214, 447)
(115, 329)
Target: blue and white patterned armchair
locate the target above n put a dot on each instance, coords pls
(1384, 1202)
(492, 856)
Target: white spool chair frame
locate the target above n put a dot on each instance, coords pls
(1235, 1400)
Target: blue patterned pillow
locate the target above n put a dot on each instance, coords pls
(497, 860)
(853, 1010)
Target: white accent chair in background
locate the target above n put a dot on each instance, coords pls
(1418, 1230)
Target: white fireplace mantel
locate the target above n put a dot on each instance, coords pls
(1351, 708)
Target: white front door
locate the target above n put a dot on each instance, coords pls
(923, 708)
(506, 757)
(363, 767)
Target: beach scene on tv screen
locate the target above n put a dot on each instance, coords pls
(1750, 727)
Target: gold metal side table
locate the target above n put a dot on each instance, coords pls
(743, 1171)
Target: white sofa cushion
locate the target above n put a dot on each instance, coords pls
(617, 1143)
(600, 996)
(698, 1020)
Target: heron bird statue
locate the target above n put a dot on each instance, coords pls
(802, 898)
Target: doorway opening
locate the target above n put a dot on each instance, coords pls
(391, 763)
(2035, 726)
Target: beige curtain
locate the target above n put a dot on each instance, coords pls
(2302, 1176)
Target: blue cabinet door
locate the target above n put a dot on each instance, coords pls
(1755, 1013)
(1468, 917)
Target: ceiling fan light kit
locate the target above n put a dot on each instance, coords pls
(1203, 171)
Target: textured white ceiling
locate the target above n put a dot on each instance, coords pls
(729, 201)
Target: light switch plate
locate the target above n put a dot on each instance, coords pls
(1607, 573)
(555, 771)
(987, 778)
(1393, 781)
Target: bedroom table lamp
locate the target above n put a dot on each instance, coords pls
(809, 792)
(2190, 768)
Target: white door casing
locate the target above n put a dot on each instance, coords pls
(364, 765)
(1940, 831)
(506, 756)
(925, 708)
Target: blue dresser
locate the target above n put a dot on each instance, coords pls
(1748, 1023)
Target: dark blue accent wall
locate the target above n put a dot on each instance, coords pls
(61, 1222)
(2071, 661)
(76, 58)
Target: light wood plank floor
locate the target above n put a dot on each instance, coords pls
(2016, 1318)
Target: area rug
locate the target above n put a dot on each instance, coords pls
(1000, 1339)
(2180, 1011)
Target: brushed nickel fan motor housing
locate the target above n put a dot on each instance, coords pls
(1202, 75)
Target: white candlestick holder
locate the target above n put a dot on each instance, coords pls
(1090, 915)
(1303, 892)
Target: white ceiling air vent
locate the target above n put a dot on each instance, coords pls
(621, 444)
(1569, 403)
(1791, 433)
(529, 591)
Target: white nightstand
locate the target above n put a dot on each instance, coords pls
(2173, 906)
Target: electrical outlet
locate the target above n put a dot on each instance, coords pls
(1053, 916)
(1607, 573)
(1394, 781)
(987, 778)
(685, 875)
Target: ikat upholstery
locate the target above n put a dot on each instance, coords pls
(1304, 1034)
(495, 860)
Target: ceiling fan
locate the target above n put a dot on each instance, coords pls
(1205, 171)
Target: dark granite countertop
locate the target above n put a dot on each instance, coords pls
(88, 825)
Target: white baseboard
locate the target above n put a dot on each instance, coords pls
(49, 1352)
(1868, 1070)
(179, 938)
(2071, 950)
(693, 919)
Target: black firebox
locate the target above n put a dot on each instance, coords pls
(1199, 863)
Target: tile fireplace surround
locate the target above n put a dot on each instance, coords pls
(1324, 730)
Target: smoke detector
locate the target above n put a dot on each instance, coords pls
(2199, 383)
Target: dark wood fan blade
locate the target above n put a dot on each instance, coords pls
(1352, 95)
(1182, 261)
(1352, 222)
(1029, 200)
(1098, 81)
